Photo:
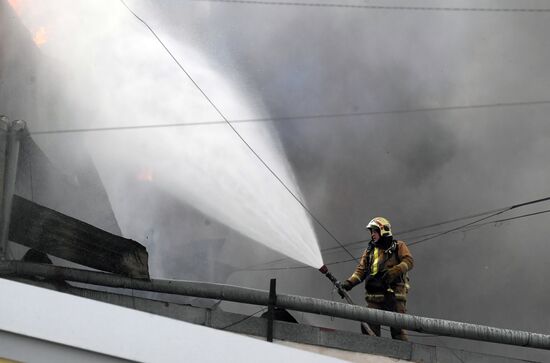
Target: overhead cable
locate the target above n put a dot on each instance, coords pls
(380, 7)
(242, 319)
(295, 118)
(465, 229)
(236, 132)
(480, 219)
(416, 229)
(508, 219)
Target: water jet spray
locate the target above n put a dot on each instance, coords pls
(344, 294)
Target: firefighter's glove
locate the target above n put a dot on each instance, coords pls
(391, 275)
(346, 285)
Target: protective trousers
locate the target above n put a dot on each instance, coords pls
(389, 305)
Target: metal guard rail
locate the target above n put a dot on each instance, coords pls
(292, 302)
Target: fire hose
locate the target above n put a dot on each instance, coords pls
(324, 270)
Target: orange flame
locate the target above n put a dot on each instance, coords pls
(145, 175)
(16, 5)
(40, 36)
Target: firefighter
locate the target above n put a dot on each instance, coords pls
(384, 266)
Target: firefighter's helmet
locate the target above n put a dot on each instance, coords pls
(382, 224)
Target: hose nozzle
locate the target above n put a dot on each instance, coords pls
(324, 270)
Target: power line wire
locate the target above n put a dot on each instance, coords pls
(331, 249)
(380, 7)
(479, 220)
(243, 319)
(508, 219)
(416, 229)
(493, 212)
(454, 230)
(458, 219)
(295, 118)
(235, 130)
(450, 221)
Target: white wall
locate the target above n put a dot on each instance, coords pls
(115, 331)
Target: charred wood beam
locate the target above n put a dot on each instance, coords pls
(54, 233)
(10, 133)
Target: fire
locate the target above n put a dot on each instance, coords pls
(145, 175)
(40, 36)
(16, 5)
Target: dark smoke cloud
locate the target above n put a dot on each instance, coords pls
(415, 168)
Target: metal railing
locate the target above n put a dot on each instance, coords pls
(292, 302)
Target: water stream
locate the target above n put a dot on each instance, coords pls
(116, 74)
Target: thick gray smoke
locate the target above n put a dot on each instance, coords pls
(206, 166)
(414, 168)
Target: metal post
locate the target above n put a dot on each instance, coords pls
(270, 309)
(9, 154)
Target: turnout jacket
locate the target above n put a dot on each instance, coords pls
(376, 260)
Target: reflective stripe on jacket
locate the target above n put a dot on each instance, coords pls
(375, 262)
(380, 298)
